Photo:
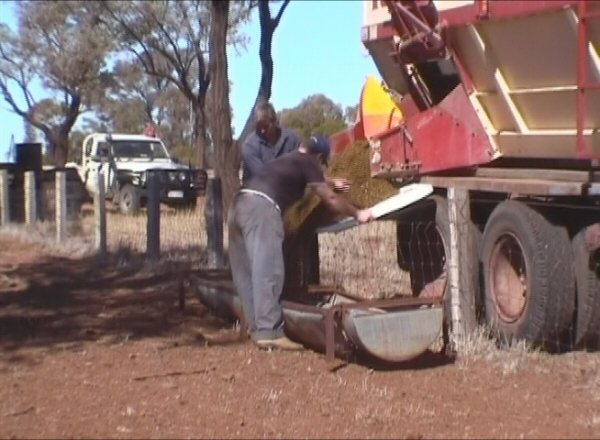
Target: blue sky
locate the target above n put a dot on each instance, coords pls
(316, 49)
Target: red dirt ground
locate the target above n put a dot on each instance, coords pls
(89, 352)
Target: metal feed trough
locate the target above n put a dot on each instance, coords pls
(323, 318)
(392, 330)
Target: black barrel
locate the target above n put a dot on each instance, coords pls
(29, 157)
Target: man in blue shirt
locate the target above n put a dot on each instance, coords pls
(268, 141)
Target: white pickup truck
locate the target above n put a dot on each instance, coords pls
(125, 159)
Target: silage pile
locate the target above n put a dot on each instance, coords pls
(365, 191)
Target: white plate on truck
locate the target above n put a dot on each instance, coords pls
(407, 195)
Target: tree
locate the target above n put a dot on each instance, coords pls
(57, 46)
(135, 99)
(226, 152)
(76, 138)
(175, 125)
(268, 25)
(133, 93)
(130, 101)
(315, 114)
(350, 114)
(169, 39)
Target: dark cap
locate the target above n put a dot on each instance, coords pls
(319, 145)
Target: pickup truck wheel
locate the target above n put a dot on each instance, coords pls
(129, 200)
(587, 275)
(529, 283)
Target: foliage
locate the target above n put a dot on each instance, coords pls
(130, 99)
(314, 114)
(75, 143)
(169, 67)
(350, 114)
(135, 99)
(184, 154)
(57, 46)
(170, 41)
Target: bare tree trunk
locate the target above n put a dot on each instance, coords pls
(268, 25)
(200, 129)
(29, 131)
(220, 113)
(57, 136)
(59, 147)
(60, 134)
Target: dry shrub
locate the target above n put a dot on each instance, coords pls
(43, 234)
(509, 357)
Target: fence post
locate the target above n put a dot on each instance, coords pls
(153, 211)
(100, 216)
(30, 198)
(4, 199)
(213, 216)
(462, 296)
(60, 192)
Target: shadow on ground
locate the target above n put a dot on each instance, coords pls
(60, 300)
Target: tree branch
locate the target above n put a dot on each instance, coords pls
(280, 13)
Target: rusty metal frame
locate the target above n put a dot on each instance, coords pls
(409, 19)
(411, 23)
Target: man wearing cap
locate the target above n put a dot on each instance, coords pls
(256, 234)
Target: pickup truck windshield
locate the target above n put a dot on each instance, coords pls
(138, 150)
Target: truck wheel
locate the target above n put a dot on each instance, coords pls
(423, 251)
(529, 284)
(129, 200)
(587, 276)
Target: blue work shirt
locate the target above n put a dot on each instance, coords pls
(256, 151)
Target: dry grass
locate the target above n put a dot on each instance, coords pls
(182, 233)
(480, 345)
(182, 238)
(43, 234)
(361, 261)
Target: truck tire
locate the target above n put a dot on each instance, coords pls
(423, 250)
(129, 200)
(587, 276)
(529, 283)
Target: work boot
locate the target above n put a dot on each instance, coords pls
(282, 343)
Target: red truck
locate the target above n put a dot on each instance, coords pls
(500, 100)
(495, 106)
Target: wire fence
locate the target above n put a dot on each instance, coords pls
(542, 288)
(363, 262)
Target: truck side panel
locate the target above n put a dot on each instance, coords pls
(530, 70)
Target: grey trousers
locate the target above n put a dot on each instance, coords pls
(256, 259)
